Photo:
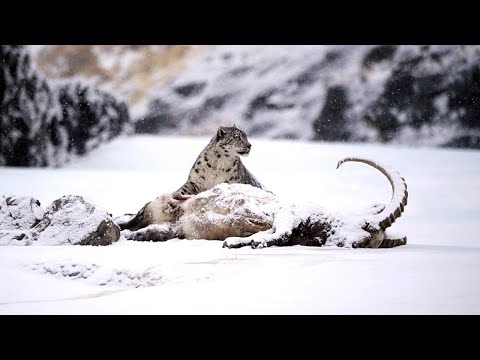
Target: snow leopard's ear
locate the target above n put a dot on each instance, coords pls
(235, 126)
(220, 132)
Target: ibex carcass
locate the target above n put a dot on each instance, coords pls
(244, 215)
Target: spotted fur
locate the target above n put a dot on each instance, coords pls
(219, 163)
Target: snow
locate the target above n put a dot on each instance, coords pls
(437, 272)
(22, 213)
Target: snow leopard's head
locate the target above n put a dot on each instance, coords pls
(232, 141)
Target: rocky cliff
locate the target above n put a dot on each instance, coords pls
(406, 94)
(44, 123)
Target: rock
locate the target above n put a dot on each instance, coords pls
(465, 141)
(210, 105)
(69, 220)
(436, 87)
(90, 117)
(19, 212)
(331, 125)
(464, 98)
(264, 102)
(379, 54)
(72, 220)
(190, 89)
(158, 119)
(44, 123)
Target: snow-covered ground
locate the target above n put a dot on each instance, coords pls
(437, 272)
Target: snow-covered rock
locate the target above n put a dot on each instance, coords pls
(19, 212)
(69, 220)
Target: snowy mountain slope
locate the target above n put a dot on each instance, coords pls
(437, 272)
(407, 94)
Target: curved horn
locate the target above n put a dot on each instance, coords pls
(399, 192)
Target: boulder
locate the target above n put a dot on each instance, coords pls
(69, 220)
(19, 212)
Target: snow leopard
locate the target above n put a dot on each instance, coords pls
(219, 162)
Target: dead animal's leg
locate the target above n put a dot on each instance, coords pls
(155, 232)
(277, 238)
(261, 239)
(237, 242)
(278, 235)
(140, 220)
(123, 220)
(284, 223)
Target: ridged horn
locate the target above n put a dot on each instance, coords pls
(399, 192)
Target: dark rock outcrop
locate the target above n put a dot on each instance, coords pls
(379, 54)
(43, 124)
(190, 89)
(159, 119)
(428, 91)
(332, 124)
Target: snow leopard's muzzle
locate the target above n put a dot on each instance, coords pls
(245, 150)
